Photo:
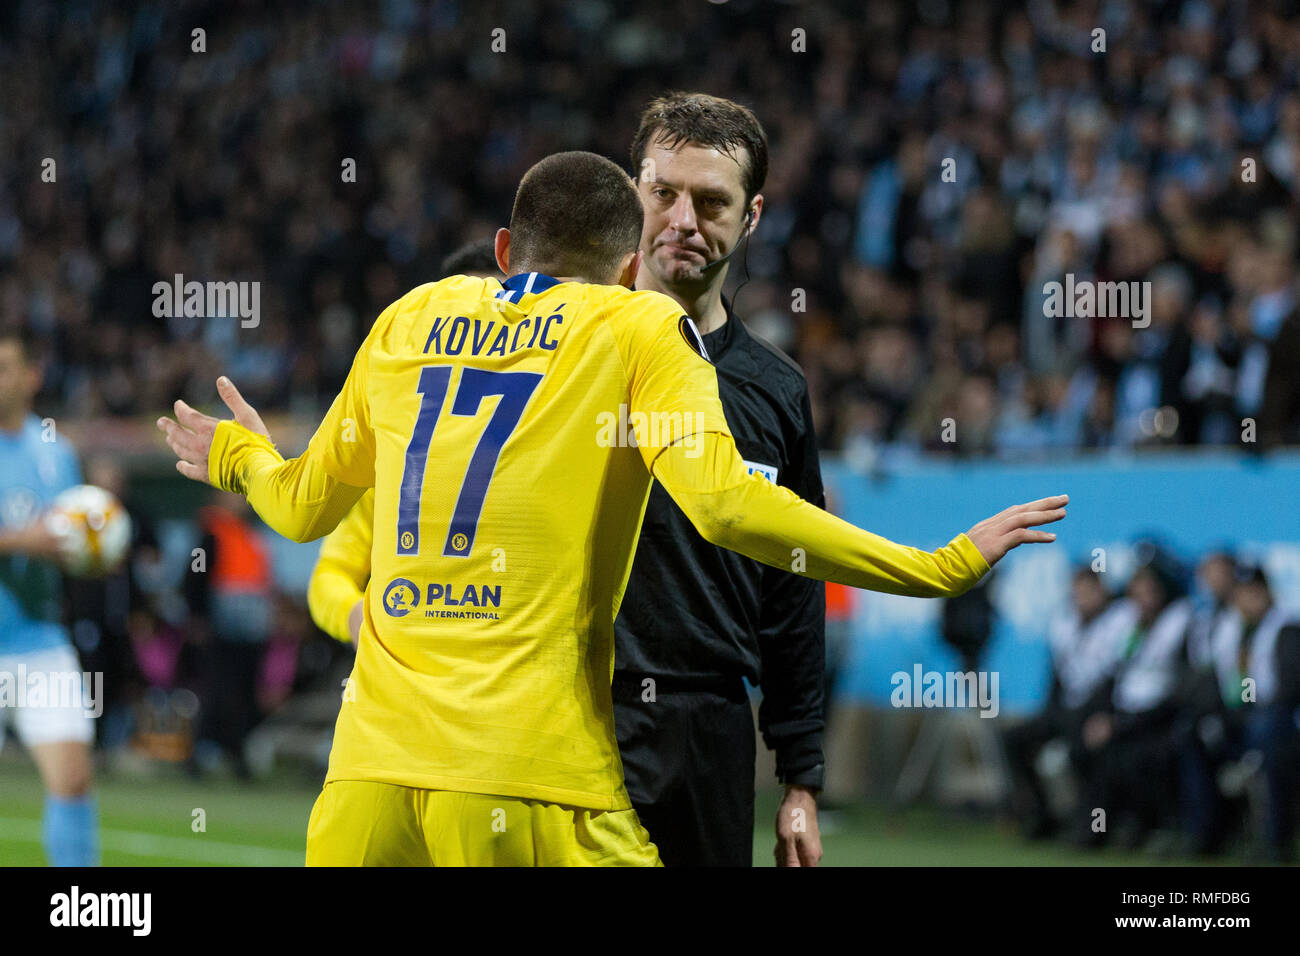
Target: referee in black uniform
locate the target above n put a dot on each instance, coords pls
(696, 619)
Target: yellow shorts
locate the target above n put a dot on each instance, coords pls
(362, 823)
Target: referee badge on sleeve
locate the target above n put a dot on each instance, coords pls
(692, 337)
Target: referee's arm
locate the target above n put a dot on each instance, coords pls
(792, 646)
(792, 641)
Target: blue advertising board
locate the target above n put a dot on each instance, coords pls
(1194, 502)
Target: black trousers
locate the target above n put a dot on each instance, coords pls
(1133, 775)
(688, 758)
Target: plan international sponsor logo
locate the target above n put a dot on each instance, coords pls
(471, 602)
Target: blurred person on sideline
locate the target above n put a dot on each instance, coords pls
(1085, 642)
(229, 592)
(1256, 664)
(100, 611)
(1129, 739)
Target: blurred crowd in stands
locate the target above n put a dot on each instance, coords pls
(933, 167)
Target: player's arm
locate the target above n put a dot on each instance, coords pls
(704, 474)
(35, 540)
(301, 498)
(747, 514)
(338, 582)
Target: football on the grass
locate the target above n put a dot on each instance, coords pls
(94, 528)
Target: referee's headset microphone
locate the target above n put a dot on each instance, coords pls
(749, 217)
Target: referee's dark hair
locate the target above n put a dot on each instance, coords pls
(576, 214)
(679, 118)
(477, 258)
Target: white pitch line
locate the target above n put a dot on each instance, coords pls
(135, 843)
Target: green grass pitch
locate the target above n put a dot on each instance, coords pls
(151, 822)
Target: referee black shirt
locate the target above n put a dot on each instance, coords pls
(697, 615)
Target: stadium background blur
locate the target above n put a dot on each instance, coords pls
(907, 299)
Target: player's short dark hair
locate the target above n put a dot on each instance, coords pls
(477, 257)
(575, 214)
(25, 339)
(679, 118)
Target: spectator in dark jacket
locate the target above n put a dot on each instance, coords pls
(229, 590)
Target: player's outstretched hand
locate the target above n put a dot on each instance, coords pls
(1009, 529)
(190, 434)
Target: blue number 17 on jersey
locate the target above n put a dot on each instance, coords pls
(476, 384)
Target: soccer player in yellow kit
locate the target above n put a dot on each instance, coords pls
(336, 590)
(510, 431)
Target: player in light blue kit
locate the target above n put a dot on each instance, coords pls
(56, 730)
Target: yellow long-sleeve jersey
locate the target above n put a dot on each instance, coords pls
(510, 435)
(342, 570)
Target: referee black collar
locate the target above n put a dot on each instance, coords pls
(728, 346)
